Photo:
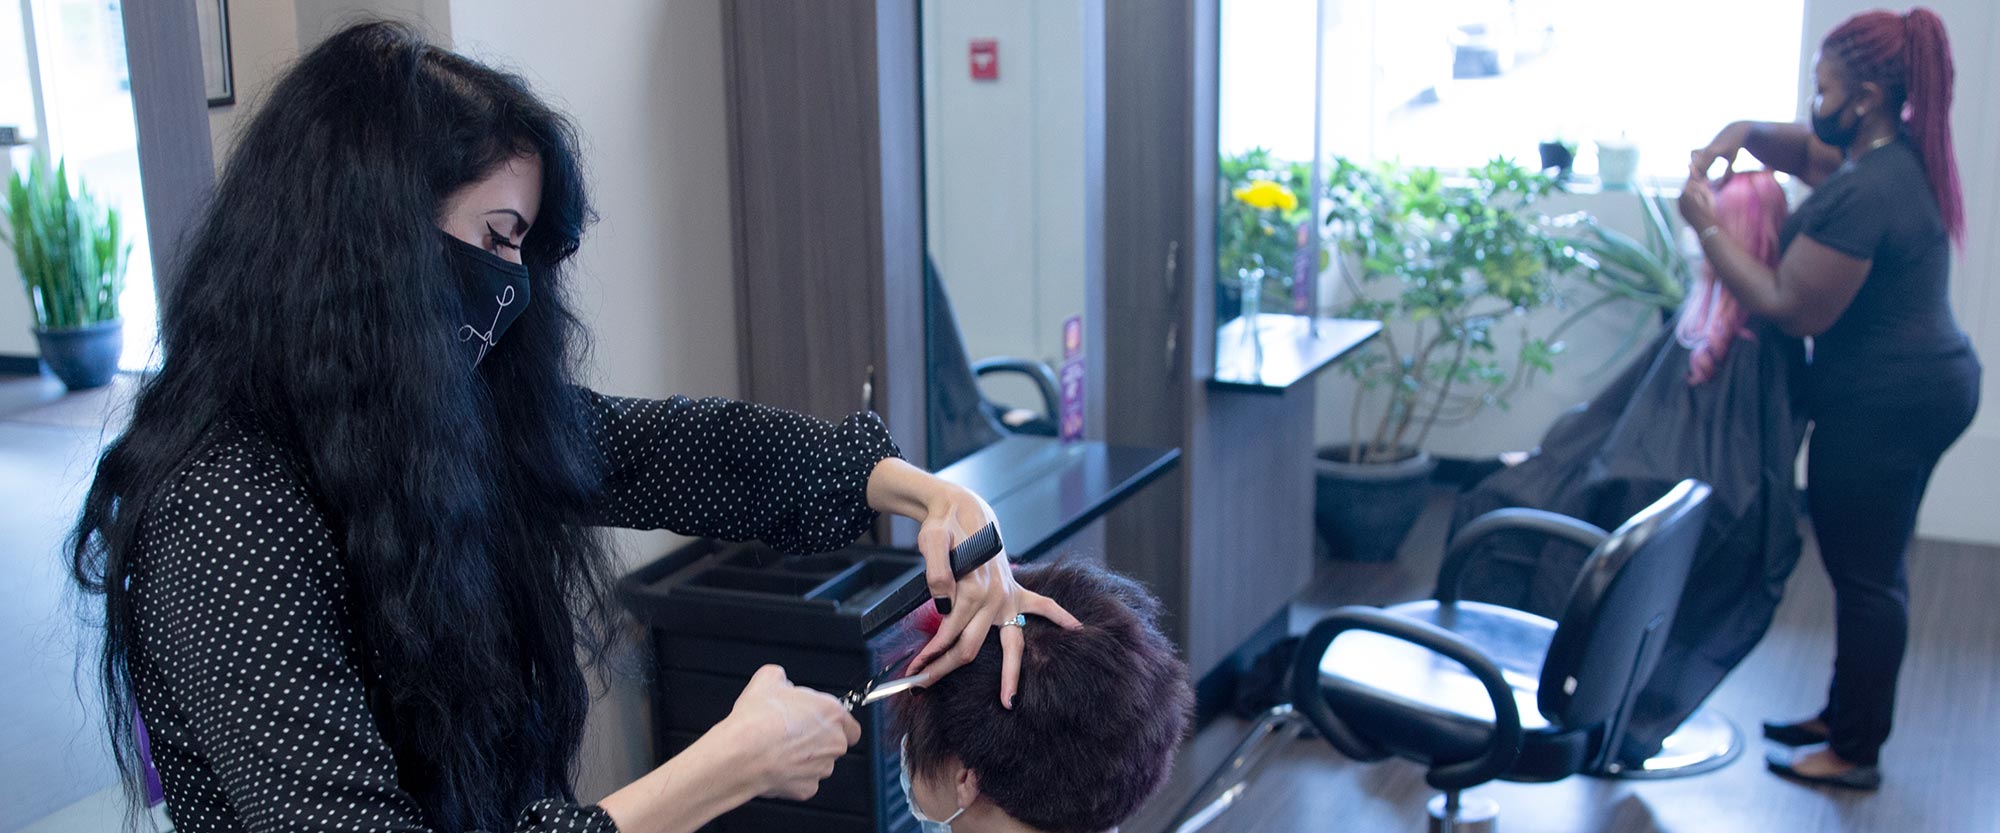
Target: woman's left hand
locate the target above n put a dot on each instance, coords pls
(982, 599)
(1697, 201)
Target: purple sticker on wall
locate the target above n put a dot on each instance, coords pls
(1072, 400)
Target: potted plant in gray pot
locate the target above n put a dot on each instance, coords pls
(1442, 263)
(72, 255)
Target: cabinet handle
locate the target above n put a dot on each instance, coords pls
(1174, 311)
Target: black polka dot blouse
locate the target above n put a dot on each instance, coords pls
(245, 662)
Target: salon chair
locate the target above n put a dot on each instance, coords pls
(1476, 691)
(962, 420)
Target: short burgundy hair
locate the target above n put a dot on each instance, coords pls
(1097, 718)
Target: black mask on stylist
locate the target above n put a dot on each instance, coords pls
(495, 291)
(1828, 128)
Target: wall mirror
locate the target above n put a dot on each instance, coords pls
(1012, 213)
(1271, 255)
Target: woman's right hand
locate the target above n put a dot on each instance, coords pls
(1725, 146)
(779, 741)
(787, 735)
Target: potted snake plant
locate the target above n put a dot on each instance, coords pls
(72, 254)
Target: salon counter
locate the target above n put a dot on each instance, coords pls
(1044, 490)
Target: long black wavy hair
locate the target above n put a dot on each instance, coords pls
(314, 304)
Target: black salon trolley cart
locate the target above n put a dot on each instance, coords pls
(717, 611)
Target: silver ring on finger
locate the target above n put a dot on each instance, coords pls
(1020, 620)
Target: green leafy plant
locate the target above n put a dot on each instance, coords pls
(71, 250)
(1442, 262)
(1651, 274)
(1263, 214)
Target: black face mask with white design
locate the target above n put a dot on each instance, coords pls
(495, 291)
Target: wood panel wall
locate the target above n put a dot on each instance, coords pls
(1227, 539)
(825, 164)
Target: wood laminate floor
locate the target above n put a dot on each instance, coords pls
(1939, 766)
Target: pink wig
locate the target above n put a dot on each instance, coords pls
(1749, 208)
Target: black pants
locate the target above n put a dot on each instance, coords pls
(1876, 438)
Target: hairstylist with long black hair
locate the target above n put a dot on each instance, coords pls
(345, 546)
(1893, 381)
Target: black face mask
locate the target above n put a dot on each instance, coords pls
(495, 292)
(1828, 128)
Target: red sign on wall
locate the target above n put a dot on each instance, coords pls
(985, 58)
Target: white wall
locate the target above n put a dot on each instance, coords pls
(319, 18)
(1004, 175)
(266, 36)
(264, 40)
(643, 80)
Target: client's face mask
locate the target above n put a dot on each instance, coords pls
(926, 823)
(495, 292)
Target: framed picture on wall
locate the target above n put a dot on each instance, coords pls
(212, 17)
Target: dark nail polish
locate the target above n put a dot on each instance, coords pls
(943, 605)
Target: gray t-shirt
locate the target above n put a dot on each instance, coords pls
(1879, 207)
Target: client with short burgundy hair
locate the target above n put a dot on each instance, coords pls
(1094, 726)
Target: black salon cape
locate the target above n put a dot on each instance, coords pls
(1603, 462)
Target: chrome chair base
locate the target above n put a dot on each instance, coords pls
(1272, 732)
(1708, 741)
(1463, 814)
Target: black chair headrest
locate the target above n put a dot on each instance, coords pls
(1620, 609)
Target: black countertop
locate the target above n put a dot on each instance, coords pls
(1044, 490)
(1294, 349)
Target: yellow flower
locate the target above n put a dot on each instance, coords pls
(1265, 195)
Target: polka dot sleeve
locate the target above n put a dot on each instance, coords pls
(720, 468)
(247, 672)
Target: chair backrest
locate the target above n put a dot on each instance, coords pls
(1620, 609)
(957, 423)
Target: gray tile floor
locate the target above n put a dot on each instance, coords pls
(53, 764)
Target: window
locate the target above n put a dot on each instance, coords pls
(84, 119)
(1453, 83)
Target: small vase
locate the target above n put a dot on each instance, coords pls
(1250, 284)
(1617, 163)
